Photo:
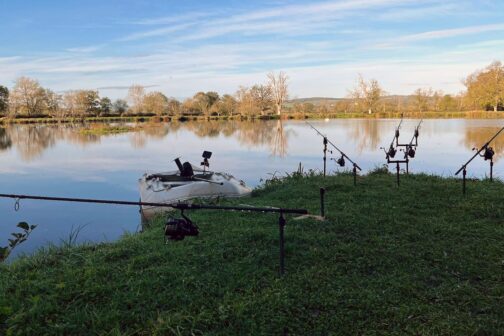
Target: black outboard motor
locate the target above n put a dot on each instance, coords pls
(185, 169)
(179, 165)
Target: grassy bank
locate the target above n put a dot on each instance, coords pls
(103, 129)
(288, 115)
(419, 259)
(51, 120)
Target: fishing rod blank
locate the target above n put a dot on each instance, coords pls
(487, 155)
(392, 150)
(341, 160)
(179, 206)
(179, 228)
(410, 151)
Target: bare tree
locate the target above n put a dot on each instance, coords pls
(27, 97)
(279, 90)
(422, 97)
(246, 105)
(69, 104)
(53, 102)
(136, 95)
(174, 106)
(262, 96)
(367, 94)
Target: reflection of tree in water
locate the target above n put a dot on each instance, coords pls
(255, 133)
(366, 133)
(250, 133)
(73, 134)
(5, 140)
(139, 138)
(280, 143)
(156, 131)
(31, 141)
(477, 137)
(204, 129)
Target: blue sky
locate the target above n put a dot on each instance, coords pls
(180, 47)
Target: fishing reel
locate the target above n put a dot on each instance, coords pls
(410, 152)
(179, 228)
(390, 153)
(488, 154)
(340, 161)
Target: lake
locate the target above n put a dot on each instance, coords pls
(62, 160)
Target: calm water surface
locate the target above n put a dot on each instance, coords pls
(62, 161)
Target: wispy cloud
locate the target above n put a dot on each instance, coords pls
(422, 11)
(172, 19)
(86, 49)
(442, 34)
(281, 19)
(157, 32)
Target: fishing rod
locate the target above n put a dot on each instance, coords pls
(487, 155)
(392, 151)
(179, 228)
(179, 206)
(409, 149)
(341, 160)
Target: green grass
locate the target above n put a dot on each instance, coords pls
(105, 130)
(420, 259)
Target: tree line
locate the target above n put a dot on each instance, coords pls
(484, 91)
(27, 98)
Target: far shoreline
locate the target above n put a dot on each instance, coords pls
(286, 116)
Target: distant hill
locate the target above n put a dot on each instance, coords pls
(315, 100)
(329, 100)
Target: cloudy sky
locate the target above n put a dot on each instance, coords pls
(180, 47)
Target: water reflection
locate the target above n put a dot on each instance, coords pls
(367, 134)
(5, 140)
(30, 141)
(280, 143)
(477, 137)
